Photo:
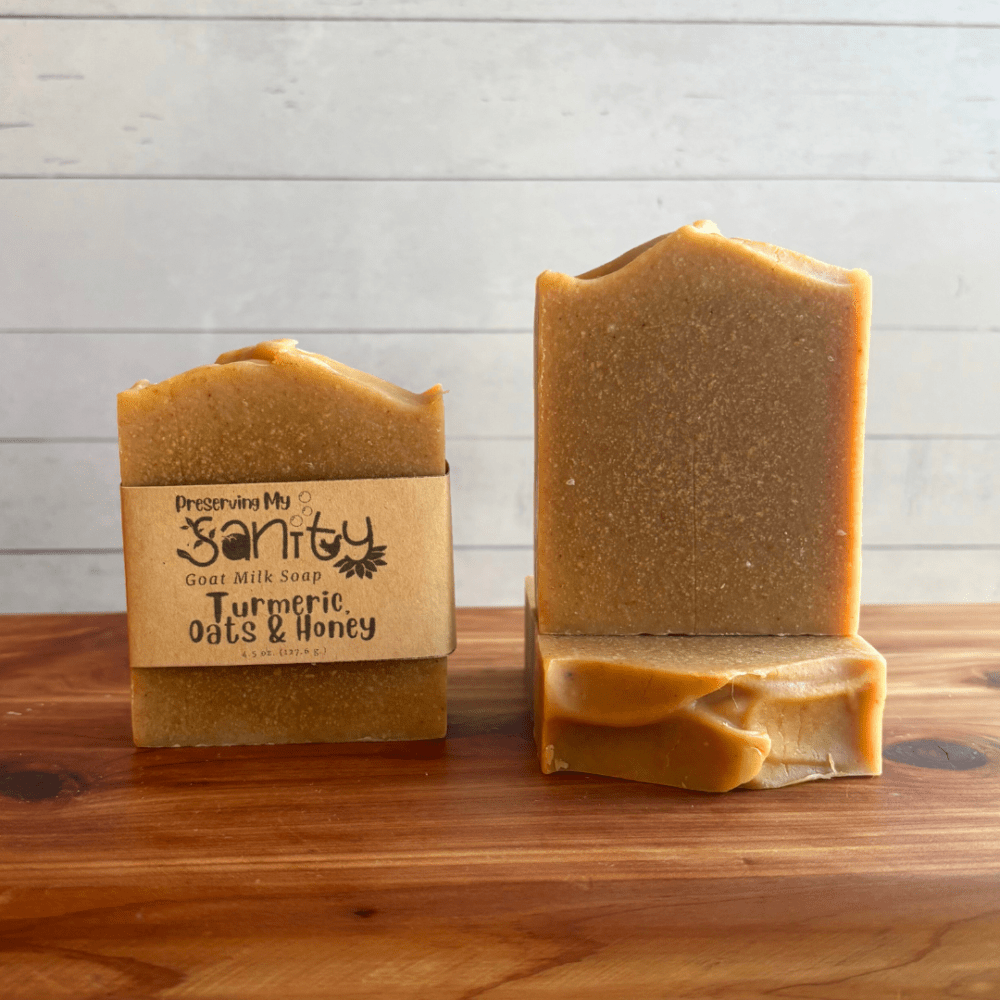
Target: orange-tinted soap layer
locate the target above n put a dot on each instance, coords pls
(709, 713)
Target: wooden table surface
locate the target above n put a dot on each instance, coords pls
(454, 870)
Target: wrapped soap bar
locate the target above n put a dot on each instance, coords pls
(699, 441)
(265, 603)
(706, 712)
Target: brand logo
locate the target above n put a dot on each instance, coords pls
(239, 541)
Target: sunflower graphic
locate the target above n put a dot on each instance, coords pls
(367, 564)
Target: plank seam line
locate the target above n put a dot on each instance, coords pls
(931, 547)
(900, 328)
(60, 552)
(114, 440)
(932, 437)
(490, 437)
(513, 437)
(498, 179)
(380, 331)
(733, 22)
(118, 551)
(237, 331)
(58, 440)
(462, 547)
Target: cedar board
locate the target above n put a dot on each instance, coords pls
(455, 870)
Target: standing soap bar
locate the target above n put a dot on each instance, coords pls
(274, 414)
(699, 432)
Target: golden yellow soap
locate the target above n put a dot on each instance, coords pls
(700, 411)
(706, 712)
(273, 413)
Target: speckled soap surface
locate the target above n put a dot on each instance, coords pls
(699, 433)
(273, 413)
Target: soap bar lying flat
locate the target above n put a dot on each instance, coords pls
(706, 712)
(272, 413)
(699, 430)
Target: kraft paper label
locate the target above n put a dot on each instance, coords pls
(272, 573)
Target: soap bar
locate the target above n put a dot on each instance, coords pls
(273, 413)
(705, 712)
(699, 436)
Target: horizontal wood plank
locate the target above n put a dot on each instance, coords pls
(66, 495)
(933, 382)
(494, 577)
(60, 496)
(920, 491)
(94, 580)
(920, 382)
(487, 376)
(247, 255)
(455, 867)
(460, 256)
(949, 575)
(929, 520)
(927, 12)
(88, 580)
(497, 100)
(932, 491)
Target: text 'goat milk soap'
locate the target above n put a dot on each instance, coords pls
(288, 553)
(699, 433)
(706, 712)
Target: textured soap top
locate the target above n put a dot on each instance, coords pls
(273, 413)
(699, 441)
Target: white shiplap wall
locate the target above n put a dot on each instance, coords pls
(384, 181)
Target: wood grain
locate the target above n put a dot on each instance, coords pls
(919, 489)
(847, 12)
(64, 494)
(487, 375)
(496, 99)
(405, 255)
(921, 382)
(94, 580)
(859, 132)
(493, 575)
(454, 869)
